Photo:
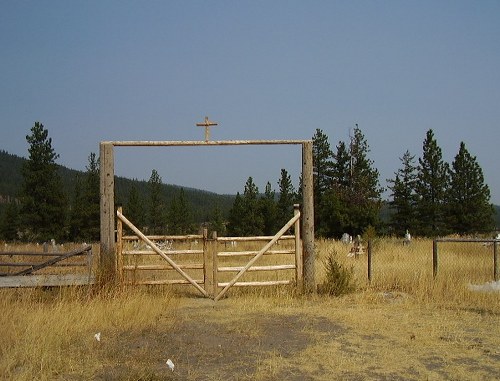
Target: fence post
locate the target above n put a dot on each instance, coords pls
(299, 272)
(107, 209)
(205, 258)
(369, 260)
(434, 258)
(119, 247)
(496, 263)
(215, 263)
(308, 218)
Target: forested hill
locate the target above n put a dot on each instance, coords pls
(202, 202)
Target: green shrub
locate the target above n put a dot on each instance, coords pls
(339, 280)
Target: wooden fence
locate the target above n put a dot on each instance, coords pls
(33, 268)
(203, 262)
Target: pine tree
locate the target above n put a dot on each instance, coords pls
(334, 209)
(268, 210)
(431, 187)
(9, 223)
(134, 208)
(363, 198)
(91, 196)
(217, 222)
(43, 202)
(468, 198)
(156, 204)
(286, 199)
(235, 226)
(403, 195)
(322, 174)
(180, 217)
(252, 221)
(77, 214)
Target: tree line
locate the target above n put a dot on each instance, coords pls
(42, 210)
(428, 197)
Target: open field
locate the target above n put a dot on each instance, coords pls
(402, 326)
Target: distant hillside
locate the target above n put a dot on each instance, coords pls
(202, 202)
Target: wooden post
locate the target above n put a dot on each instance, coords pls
(119, 247)
(434, 258)
(205, 258)
(369, 260)
(215, 263)
(496, 263)
(299, 270)
(107, 177)
(308, 217)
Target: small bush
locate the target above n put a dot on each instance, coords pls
(339, 280)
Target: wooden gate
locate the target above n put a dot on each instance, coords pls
(149, 254)
(294, 248)
(157, 260)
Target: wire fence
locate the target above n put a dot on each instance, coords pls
(401, 265)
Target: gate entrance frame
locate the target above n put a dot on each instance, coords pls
(107, 204)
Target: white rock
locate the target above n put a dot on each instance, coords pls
(170, 364)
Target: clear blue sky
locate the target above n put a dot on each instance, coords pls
(150, 70)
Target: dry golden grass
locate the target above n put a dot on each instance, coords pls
(49, 334)
(402, 326)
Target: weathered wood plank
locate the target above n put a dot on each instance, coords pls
(263, 283)
(255, 238)
(195, 266)
(169, 252)
(247, 253)
(258, 268)
(170, 143)
(162, 282)
(46, 280)
(164, 237)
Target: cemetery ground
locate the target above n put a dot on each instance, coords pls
(433, 330)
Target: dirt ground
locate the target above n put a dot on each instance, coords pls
(314, 339)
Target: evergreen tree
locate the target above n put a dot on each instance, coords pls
(468, 198)
(341, 172)
(9, 224)
(217, 222)
(235, 226)
(322, 173)
(286, 199)
(363, 193)
(77, 214)
(156, 204)
(403, 195)
(91, 196)
(431, 187)
(334, 207)
(43, 203)
(180, 218)
(253, 221)
(134, 208)
(268, 210)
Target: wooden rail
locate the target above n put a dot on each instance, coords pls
(25, 277)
